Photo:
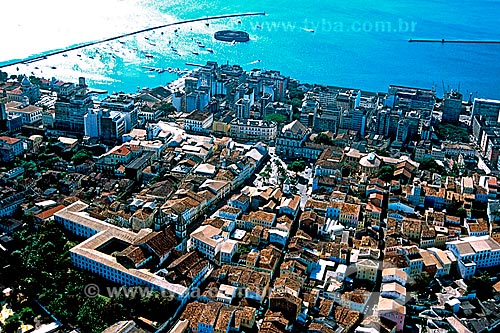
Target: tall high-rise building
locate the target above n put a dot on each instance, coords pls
(408, 98)
(106, 125)
(402, 134)
(242, 108)
(489, 108)
(383, 121)
(358, 122)
(451, 107)
(310, 106)
(73, 102)
(124, 104)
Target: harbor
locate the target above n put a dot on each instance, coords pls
(161, 70)
(106, 40)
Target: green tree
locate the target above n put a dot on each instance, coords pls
(81, 156)
(167, 108)
(430, 165)
(453, 133)
(3, 76)
(348, 168)
(30, 168)
(35, 80)
(276, 117)
(297, 166)
(26, 314)
(243, 249)
(324, 139)
(481, 284)
(12, 324)
(89, 316)
(297, 103)
(386, 173)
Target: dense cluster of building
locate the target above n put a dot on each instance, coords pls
(184, 188)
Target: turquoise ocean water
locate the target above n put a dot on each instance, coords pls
(359, 44)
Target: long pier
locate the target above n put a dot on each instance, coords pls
(456, 41)
(193, 64)
(207, 18)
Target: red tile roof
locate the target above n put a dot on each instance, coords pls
(49, 212)
(9, 140)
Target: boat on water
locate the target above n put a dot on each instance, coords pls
(232, 35)
(201, 46)
(308, 30)
(195, 53)
(210, 50)
(53, 67)
(233, 42)
(148, 55)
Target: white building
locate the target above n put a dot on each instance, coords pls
(198, 121)
(253, 130)
(208, 241)
(228, 249)
(393, 291)
(226, 293)
(29, 114)
(91, 124)
(89, 255)
(444, 259)
(473, 253)
(367, 270)
(394, 275)
(277, 236)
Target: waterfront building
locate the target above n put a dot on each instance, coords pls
(15, 91)
(73, 102)
(124, 104)
(30, 114)
(489, 108)
(452, 106)
(108, 126)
